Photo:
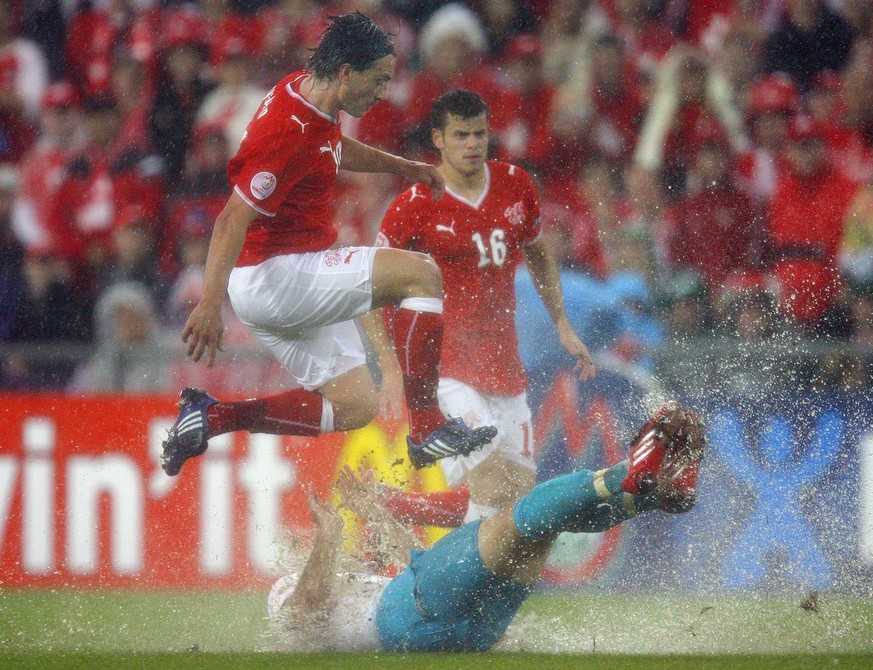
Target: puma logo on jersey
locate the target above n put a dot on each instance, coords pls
(349, 257)
(336, 152)
(302, 125)
(265, 103)
(446, 229)
(415, 194)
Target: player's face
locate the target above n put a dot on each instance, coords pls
(463, 144)
(361, 90)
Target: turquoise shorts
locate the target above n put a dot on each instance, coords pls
(447, 600)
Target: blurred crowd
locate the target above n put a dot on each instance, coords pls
(721, 151)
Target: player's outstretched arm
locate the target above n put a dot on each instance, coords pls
(547, 280)
(360, 157)
(204, 329)
(318, 576)
(361, 494)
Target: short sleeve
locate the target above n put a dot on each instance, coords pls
(531, 201)
(401, 220)
(271, 160)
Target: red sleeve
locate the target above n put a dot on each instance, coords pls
(531, 201)
(401, 220)
(272, 158)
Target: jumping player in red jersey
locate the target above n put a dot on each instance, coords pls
(478, 233)
(272, 253)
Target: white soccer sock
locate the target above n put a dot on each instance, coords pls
(326, 416)
(433, 305)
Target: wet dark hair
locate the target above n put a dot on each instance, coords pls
(352, 39)
(458, 102)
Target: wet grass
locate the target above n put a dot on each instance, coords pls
(523, 661)
(106, 629)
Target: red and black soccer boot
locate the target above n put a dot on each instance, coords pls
(680, 467)
(648, 448)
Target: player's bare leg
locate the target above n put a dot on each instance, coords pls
(507, 553)
(413, 282)
(495, 482)
(353, 398)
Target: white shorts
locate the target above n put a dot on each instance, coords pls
(510, 414)
(302, 306)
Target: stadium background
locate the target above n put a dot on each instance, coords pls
(766, 326)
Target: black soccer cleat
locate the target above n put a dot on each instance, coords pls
(453, 438)
(187, 437)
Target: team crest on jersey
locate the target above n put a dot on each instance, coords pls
(263, 184)
(333, 258)
(515, 213)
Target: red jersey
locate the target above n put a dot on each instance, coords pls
(285, 169)
(477, 245)
(807, 218)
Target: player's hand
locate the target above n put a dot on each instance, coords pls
(326, 519)
(571, 342)
(391, 390)
(203, 333)
(359, 493)
(425, 173)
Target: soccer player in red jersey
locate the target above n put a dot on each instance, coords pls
(478, 233)
(272, 252)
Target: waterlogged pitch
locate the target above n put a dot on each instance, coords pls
(93, 629)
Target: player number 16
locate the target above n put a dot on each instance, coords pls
(497, 248)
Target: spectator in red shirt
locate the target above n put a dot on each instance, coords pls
(689, 101)
(105, 176)
(596, 212)
(452, 43)
(90, 41)
(806, 219)
(849, 152)
(600, 109)
(134, 94)
(716, 229)
(771, 103)
(528, 140)
(42, 167)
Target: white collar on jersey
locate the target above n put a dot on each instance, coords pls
(481, 199)
(306, 102)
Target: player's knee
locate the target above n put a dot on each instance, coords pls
(427, 278)
(357, 414)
